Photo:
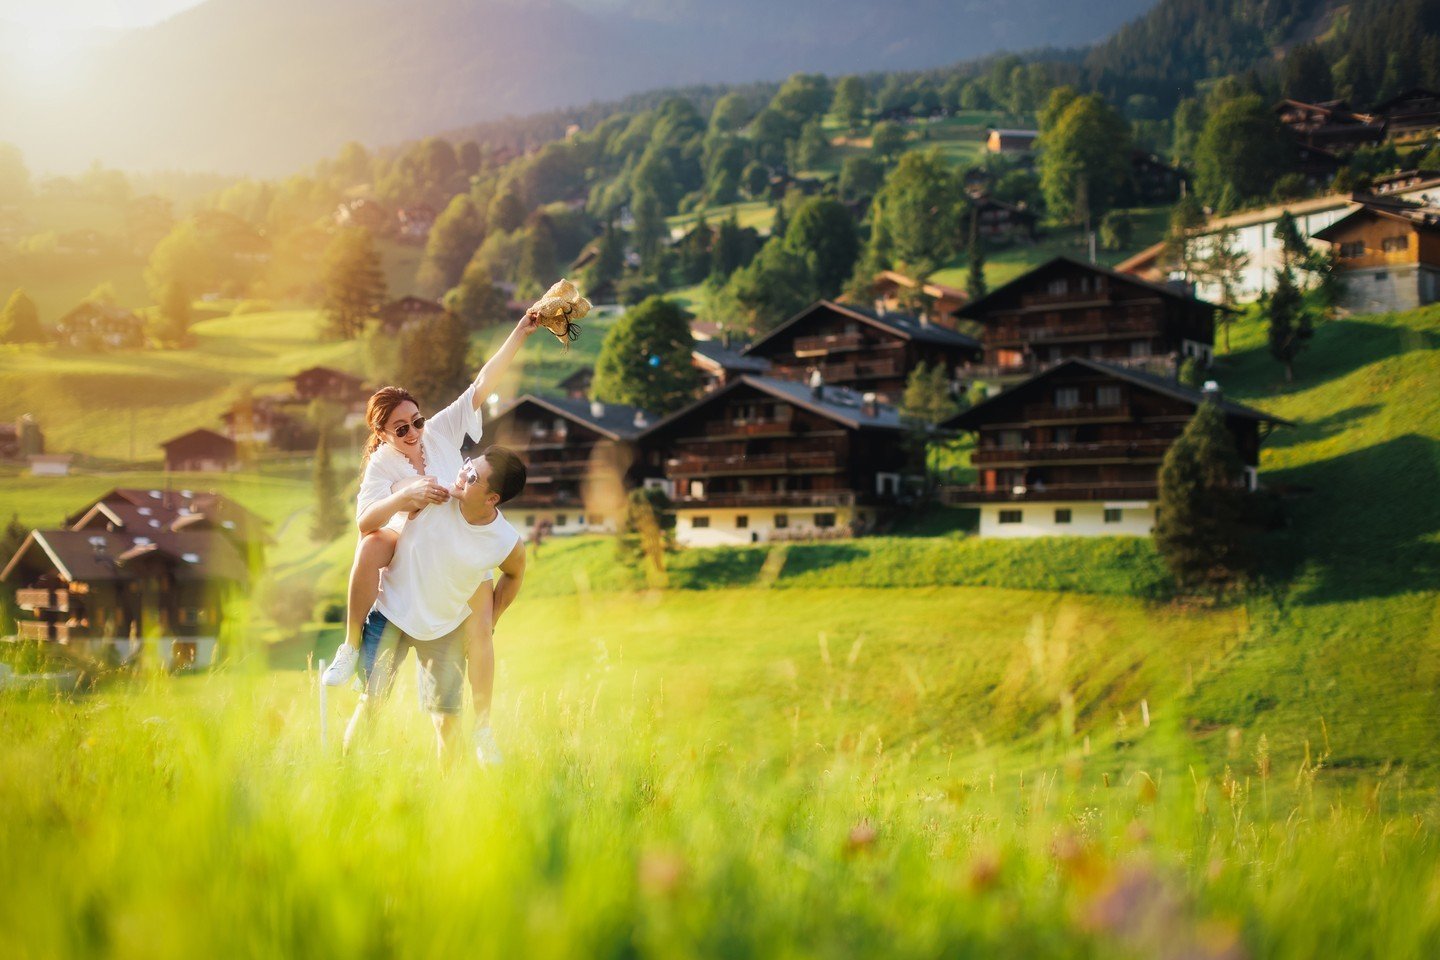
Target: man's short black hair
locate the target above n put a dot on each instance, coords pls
(507, 471)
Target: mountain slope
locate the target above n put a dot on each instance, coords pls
(264, 86)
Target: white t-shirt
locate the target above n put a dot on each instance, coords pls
(440, 560)
(440, 443)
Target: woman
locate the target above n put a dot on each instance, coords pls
(404, 456)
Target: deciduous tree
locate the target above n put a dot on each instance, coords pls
(645, 359)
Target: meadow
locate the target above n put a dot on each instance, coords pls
(916, 744)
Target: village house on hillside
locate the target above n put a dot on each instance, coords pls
(1011, 143)
(261, 420)
(94, 326)
(414, 223)
(1328, 125)
(200, 451)
(1410, 116)
(1065, 308)
(1389, 256)
(21, 438)
(868, 352)
(576, 385)
(719, 364)
(1154, 181)
(894, 292)
(1076, 450)
(580, 457)
(768, 459)
(136, 567)
(399, 314)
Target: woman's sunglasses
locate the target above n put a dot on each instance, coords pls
(418, 423)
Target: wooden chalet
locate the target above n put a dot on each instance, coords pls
(200, 451)
(1011, 142)
(1153, 181)
(580, 456)
(94, 326)
(767, 459)
(414, 222)
(1076, 450)
(267, 421)
(577, 385)
(327, 383)
(1330, 125)
(719, 364)
(399, 314)
(999, 222)
(1405, 182)
(1149, 264)
(21, 438)
(1065, 308)
(136, 567)
(894, 292)
(853, 347)
(1389, 255)
(365, 213)
(1409, 116)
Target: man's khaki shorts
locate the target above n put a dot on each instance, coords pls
(439, 663)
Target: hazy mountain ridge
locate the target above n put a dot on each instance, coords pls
(267, 86)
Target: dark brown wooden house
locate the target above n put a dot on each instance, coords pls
(853, 347)
(1330, 125)
(719, 364)
(763, 459)
(327, 383)
(1065, 308)
(98, 326)
(136, 567)
(576, 386)
(1409, 116)
(580, 456)
(894, 292)
(399, 314)
(200, 451)
(1076, 450)
(999, 222)
(1153, 181)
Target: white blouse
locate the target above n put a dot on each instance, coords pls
(440, 444)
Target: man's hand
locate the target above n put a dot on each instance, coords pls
(421, 492)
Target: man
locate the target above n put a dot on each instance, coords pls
(436, 582)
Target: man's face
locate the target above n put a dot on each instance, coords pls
(472, 485)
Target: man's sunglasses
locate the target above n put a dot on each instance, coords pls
(418, 423)
(468, 468)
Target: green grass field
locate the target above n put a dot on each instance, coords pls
(917, 745)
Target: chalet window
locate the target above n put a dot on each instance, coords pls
(1012, 516)
(1062, 515)
(1011, 439)
(1057, 287)
(560, 520)
(824, 520)
(1381, 277)
(782, 520)
(699, 523)
(1114, 514)
(530, 520)
(1107, 396)
(1067, 398)
(742, 522)
(1139, 348)
(1395, 244)
(1355, 248)
(1064, 435)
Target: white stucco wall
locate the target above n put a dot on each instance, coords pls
(724, 530)
(1087, 519)
(576, 520)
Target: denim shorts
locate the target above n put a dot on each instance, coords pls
(439, 663)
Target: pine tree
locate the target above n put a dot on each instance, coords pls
(476, 300)
(20, 321)
(609, 263)
(926, 402)
(435, 363)
(329, 520)
(975, 278)
(1201, 533)
(1291, 325)
(1223, 266)
(354, 283)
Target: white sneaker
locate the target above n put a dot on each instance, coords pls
(486, 751)
(342, 668)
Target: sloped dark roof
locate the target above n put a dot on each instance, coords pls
(95, 555)
(840, 404)
(141, 510)
(975, 307)
(910, 328)
(616, 421)
(729, 359)
(1418, 218)
(201, 433)
(583, 375)
(975, 416)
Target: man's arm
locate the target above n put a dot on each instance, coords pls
(512, 577)
(494, 370)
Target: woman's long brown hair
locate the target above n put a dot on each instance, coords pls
(382, 403)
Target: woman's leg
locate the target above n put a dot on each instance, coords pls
(372, 554)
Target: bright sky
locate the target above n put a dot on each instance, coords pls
(90, 14)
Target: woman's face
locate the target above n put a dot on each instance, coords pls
(402, 416)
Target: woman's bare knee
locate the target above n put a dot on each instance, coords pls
(377, 547)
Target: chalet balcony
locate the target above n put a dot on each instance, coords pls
(961, 495)
(537, 469)
(834, 343)
(1067, 452)
(1069, 296)
(839, 372)
(772, 498)
(1088, 330)
(1049, 413)
(53, 632)
(1158, 363)
(748, 428)
(541, 438)
(43, 599)
(539, 498)
(697, 466)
